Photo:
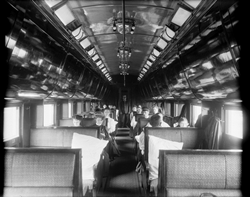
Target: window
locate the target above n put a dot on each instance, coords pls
(79, 107)
(234, 122)
(48, 115)
(70, 109)
(11, 123)
(177, 109)
(65, 111)
(196, 111)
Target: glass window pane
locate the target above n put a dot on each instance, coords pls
(85, 43)
(78, 33)
(149, 63)
(11, 123)
(168, 34)
(101, 66)
(156, 53)
(177, 109)
(98, 63)
(79, 107)
(92, 52)
(51, 3)
(234, 123)
(70, 105)
(162, 43)
(95, 57)
(196, 112)
(64, 14)
(193, 3)
(64, 110)
(48, 115)
(181, 16)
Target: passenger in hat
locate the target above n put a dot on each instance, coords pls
(145, 112)
(77, 120)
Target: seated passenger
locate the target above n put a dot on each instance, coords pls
(108, 131)
(156, 109)
(182, 122)
(133, 112)
(77, 120)
(145, 112)
(99, 118)
(109, 124)
(139, 109)
(156, 120)
(139, 126)
(134, 120)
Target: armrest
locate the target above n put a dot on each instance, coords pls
(146, 165)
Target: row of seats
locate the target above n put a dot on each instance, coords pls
(179, 139)
(85, 122)
(59, 136)
(185, 173)
(55, 143)
(42, 172)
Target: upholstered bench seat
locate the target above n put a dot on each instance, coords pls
(42, 172)
(193, 172)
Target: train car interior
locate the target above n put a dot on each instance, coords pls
(95, 92)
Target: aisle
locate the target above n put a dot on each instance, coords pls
(123, 180)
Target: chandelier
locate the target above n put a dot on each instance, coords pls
(123, 72)
(128, 20)
(124, 66)
(124, 52)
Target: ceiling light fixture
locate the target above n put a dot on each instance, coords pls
(124, 53)
(129, 23)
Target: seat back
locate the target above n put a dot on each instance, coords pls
(137, 116)
(142, 122)
(88, 122)
(66, 122)
(193, 172)
(58, 136)
(189, 136)
(42, 172)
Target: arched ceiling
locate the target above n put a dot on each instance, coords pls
(172, 42)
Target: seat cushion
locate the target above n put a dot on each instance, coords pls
(178, 192)
(37, 192)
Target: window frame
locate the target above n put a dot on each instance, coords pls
(54, 113)
(225, 127)
(19, 106)
(178, 108)
(192, 119)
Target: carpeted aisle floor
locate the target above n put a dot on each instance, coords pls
(123, 180)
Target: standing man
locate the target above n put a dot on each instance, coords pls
(124, 112)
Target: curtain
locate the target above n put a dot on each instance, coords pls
(211, 134)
